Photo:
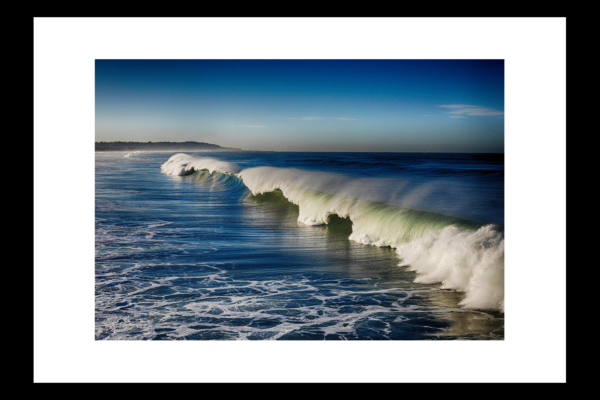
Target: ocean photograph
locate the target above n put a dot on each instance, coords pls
(299, 199)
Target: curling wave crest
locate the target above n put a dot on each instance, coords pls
(462, 255)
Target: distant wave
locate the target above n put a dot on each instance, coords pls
(460, 254)
(131, 154)
(184, 164)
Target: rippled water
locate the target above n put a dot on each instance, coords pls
(200, 257)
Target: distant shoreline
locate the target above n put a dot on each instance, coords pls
(159, 146)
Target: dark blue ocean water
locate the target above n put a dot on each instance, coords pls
(200, 257)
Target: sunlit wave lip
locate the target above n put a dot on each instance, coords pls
(184, 164)
(460, 254)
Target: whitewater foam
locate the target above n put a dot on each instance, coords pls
(468, 261)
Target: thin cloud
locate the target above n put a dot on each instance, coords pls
(457, 116)
(315, 118)
(472, 111)
(308, 118)
(254, 126)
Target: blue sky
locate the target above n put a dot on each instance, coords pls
(305, 105)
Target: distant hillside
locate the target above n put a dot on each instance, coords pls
(157, 146)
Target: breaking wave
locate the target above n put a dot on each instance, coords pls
(183, 164)
(460, 254)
